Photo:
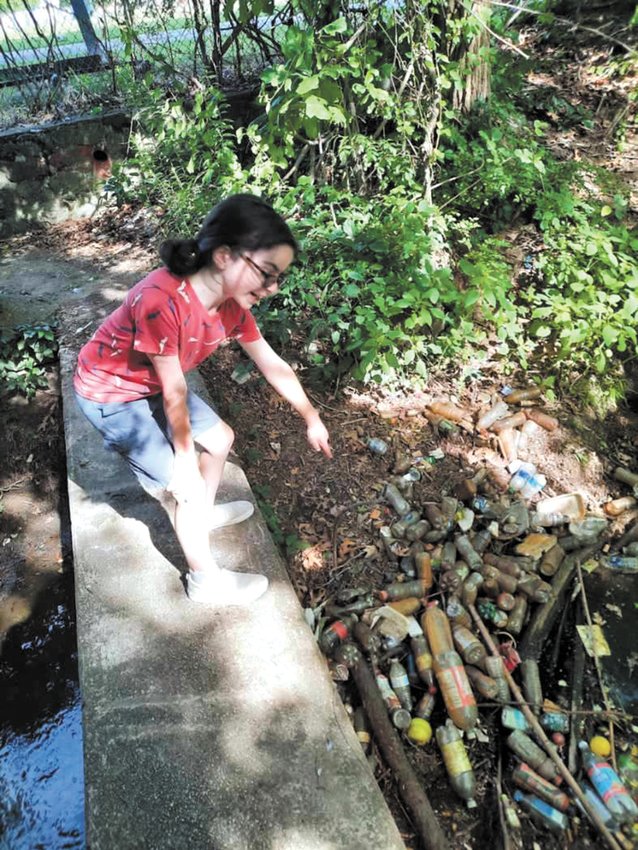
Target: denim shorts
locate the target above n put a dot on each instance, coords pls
(138, 430)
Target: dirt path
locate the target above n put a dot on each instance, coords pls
(64, 272)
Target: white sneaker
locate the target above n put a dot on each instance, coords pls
(224, 587)
(230, 514)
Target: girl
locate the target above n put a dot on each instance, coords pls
(130, 382)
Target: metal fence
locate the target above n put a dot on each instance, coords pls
(59, 57)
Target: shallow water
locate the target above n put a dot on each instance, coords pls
(41, 767)
(613, 596)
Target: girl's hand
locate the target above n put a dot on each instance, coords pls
(318, 436)
(187, 484)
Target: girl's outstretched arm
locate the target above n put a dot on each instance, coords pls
(281, 376)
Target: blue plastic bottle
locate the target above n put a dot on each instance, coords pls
(608, 785)
(542, 812)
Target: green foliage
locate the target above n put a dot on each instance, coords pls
(587, 310)
(400, 202)
(26, 352)
(183, 159)
(290, 544)
(374, 294)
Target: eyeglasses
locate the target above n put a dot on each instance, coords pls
(270, 279)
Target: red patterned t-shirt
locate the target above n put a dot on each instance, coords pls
(160, 315)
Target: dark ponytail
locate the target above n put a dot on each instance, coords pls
(181, 256)
(241, 222)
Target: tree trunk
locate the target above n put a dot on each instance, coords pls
(475, 66)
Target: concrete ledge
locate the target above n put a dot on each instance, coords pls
(203, 729)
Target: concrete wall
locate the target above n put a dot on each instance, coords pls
(54, 172)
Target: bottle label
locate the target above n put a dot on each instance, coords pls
(384, 685)
(391, 699)
(400, 681)
(455, 758)
(545, 809)
(423, 662)
(364, 737)
(455, 687)
(339, 629)
(605, 780)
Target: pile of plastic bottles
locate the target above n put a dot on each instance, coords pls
(485, 549)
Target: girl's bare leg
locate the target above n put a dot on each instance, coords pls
(192, 515)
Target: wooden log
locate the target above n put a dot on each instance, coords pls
(543, 619)
(390, 745)
(576, 720)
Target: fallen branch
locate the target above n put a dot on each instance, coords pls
(575, 721)
(540, 735)
(390, 745)
(542, 622)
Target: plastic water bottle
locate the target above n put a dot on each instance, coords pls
(470, 647)
(525, 778)
(362, 728)
(436, 626)
(455, 689)
(532, 754)
(470, 588)
(468, 552)
(494, 668)
(513, 718)
(482, 683)
(510, 813)
(542, 812)
(457, 763)
(403, 590)
(597, 804)
(377, 446)
(517, 615)
(336, 632)
(425, 705)
(622, 563)
(532, 689)
(401, 684)
(533, 485)
(555, 721)
(423, 659)
(520, 478)
(392, 495)
(606, 781)
(497, 411)
(400, 717)
(456, 613)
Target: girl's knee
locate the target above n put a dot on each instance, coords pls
(217, 440)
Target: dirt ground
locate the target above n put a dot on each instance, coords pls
(325, 515)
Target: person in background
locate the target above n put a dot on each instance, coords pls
(130, 384)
